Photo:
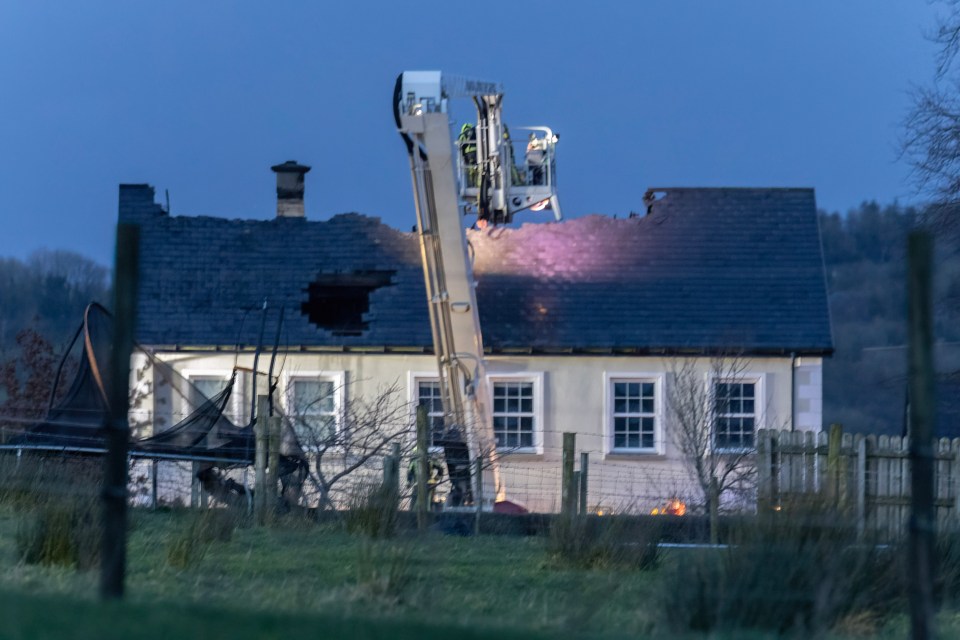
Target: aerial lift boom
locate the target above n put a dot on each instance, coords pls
(481, 178)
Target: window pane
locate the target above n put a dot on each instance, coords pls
(209, 386)
(647, 441)
(513, 413)
(634, 409)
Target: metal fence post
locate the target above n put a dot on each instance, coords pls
(568, 497)
(423, 442)
(922, 412)
(260, 462)
(114, 550)
(584, 473)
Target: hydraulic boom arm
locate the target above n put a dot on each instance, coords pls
(480, 172)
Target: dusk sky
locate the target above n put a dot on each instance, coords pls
(200, 98)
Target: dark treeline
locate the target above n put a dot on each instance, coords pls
(865, 256)
(47, 292)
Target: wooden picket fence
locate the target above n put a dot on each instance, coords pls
(868, 476)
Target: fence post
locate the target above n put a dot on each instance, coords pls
(955, 479)
(154, 468)
(765, 467)
(391, 473)
(423, 441)
(861, 486)
(922, 412)
(568, 496)
(833, 463)
(478, 492)
(260, 462)
(117, 430)
(273, 464)
(584, 473)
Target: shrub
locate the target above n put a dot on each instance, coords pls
(190, 543)
(373, 510)
(384, 570)
(57, 499)
(61, 533)
(802, 570)
(593, 542)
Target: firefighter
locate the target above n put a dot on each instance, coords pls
(536, 158)
(434, 476)
(467, 141)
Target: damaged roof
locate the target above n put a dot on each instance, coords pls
(705, 270)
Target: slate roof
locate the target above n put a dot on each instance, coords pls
(704, 270)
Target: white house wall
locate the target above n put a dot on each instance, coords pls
(574, 396)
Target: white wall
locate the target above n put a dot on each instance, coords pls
(575, 398)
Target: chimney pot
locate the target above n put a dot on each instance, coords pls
(290, 188)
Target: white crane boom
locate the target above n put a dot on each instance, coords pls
(481, 174)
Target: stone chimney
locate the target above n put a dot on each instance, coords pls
(290, 189)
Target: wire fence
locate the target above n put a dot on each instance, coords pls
(534, 482)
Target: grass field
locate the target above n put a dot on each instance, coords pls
(302, 580)
(305, 569)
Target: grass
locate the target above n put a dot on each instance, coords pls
(41, 618)
(309, 570)
(321, 580)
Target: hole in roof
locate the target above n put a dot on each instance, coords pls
(337, 302)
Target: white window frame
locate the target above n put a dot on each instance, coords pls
(234, 405)
(338, 378)
(414, 378)
(537, 378)
(759, 404)
(659, 444)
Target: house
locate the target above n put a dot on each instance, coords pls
(586, 323)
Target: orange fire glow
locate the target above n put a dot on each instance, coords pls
(674, 507)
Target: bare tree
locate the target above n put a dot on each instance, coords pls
(711, 425)
(340, 442)
(931, 139)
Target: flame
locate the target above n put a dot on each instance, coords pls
(674, 507)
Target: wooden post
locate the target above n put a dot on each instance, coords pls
(575, 489)
(117, 430)
(584, 472)
(568, 495)
(955, 479)
(764, 469)
(154, 468)
(833, 463)
(194, 485)
(920, 348)
(423, 461)
(391, 472)
(861, 486)
(478, 492)
(260, 462)
(273, 465)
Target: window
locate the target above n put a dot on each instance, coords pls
(514, 414)
(736, 414)
(634, 417)
(429, 396)
(314, 407)
(204, 385)
(209, 386)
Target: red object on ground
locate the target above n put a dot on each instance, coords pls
(505, 506)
